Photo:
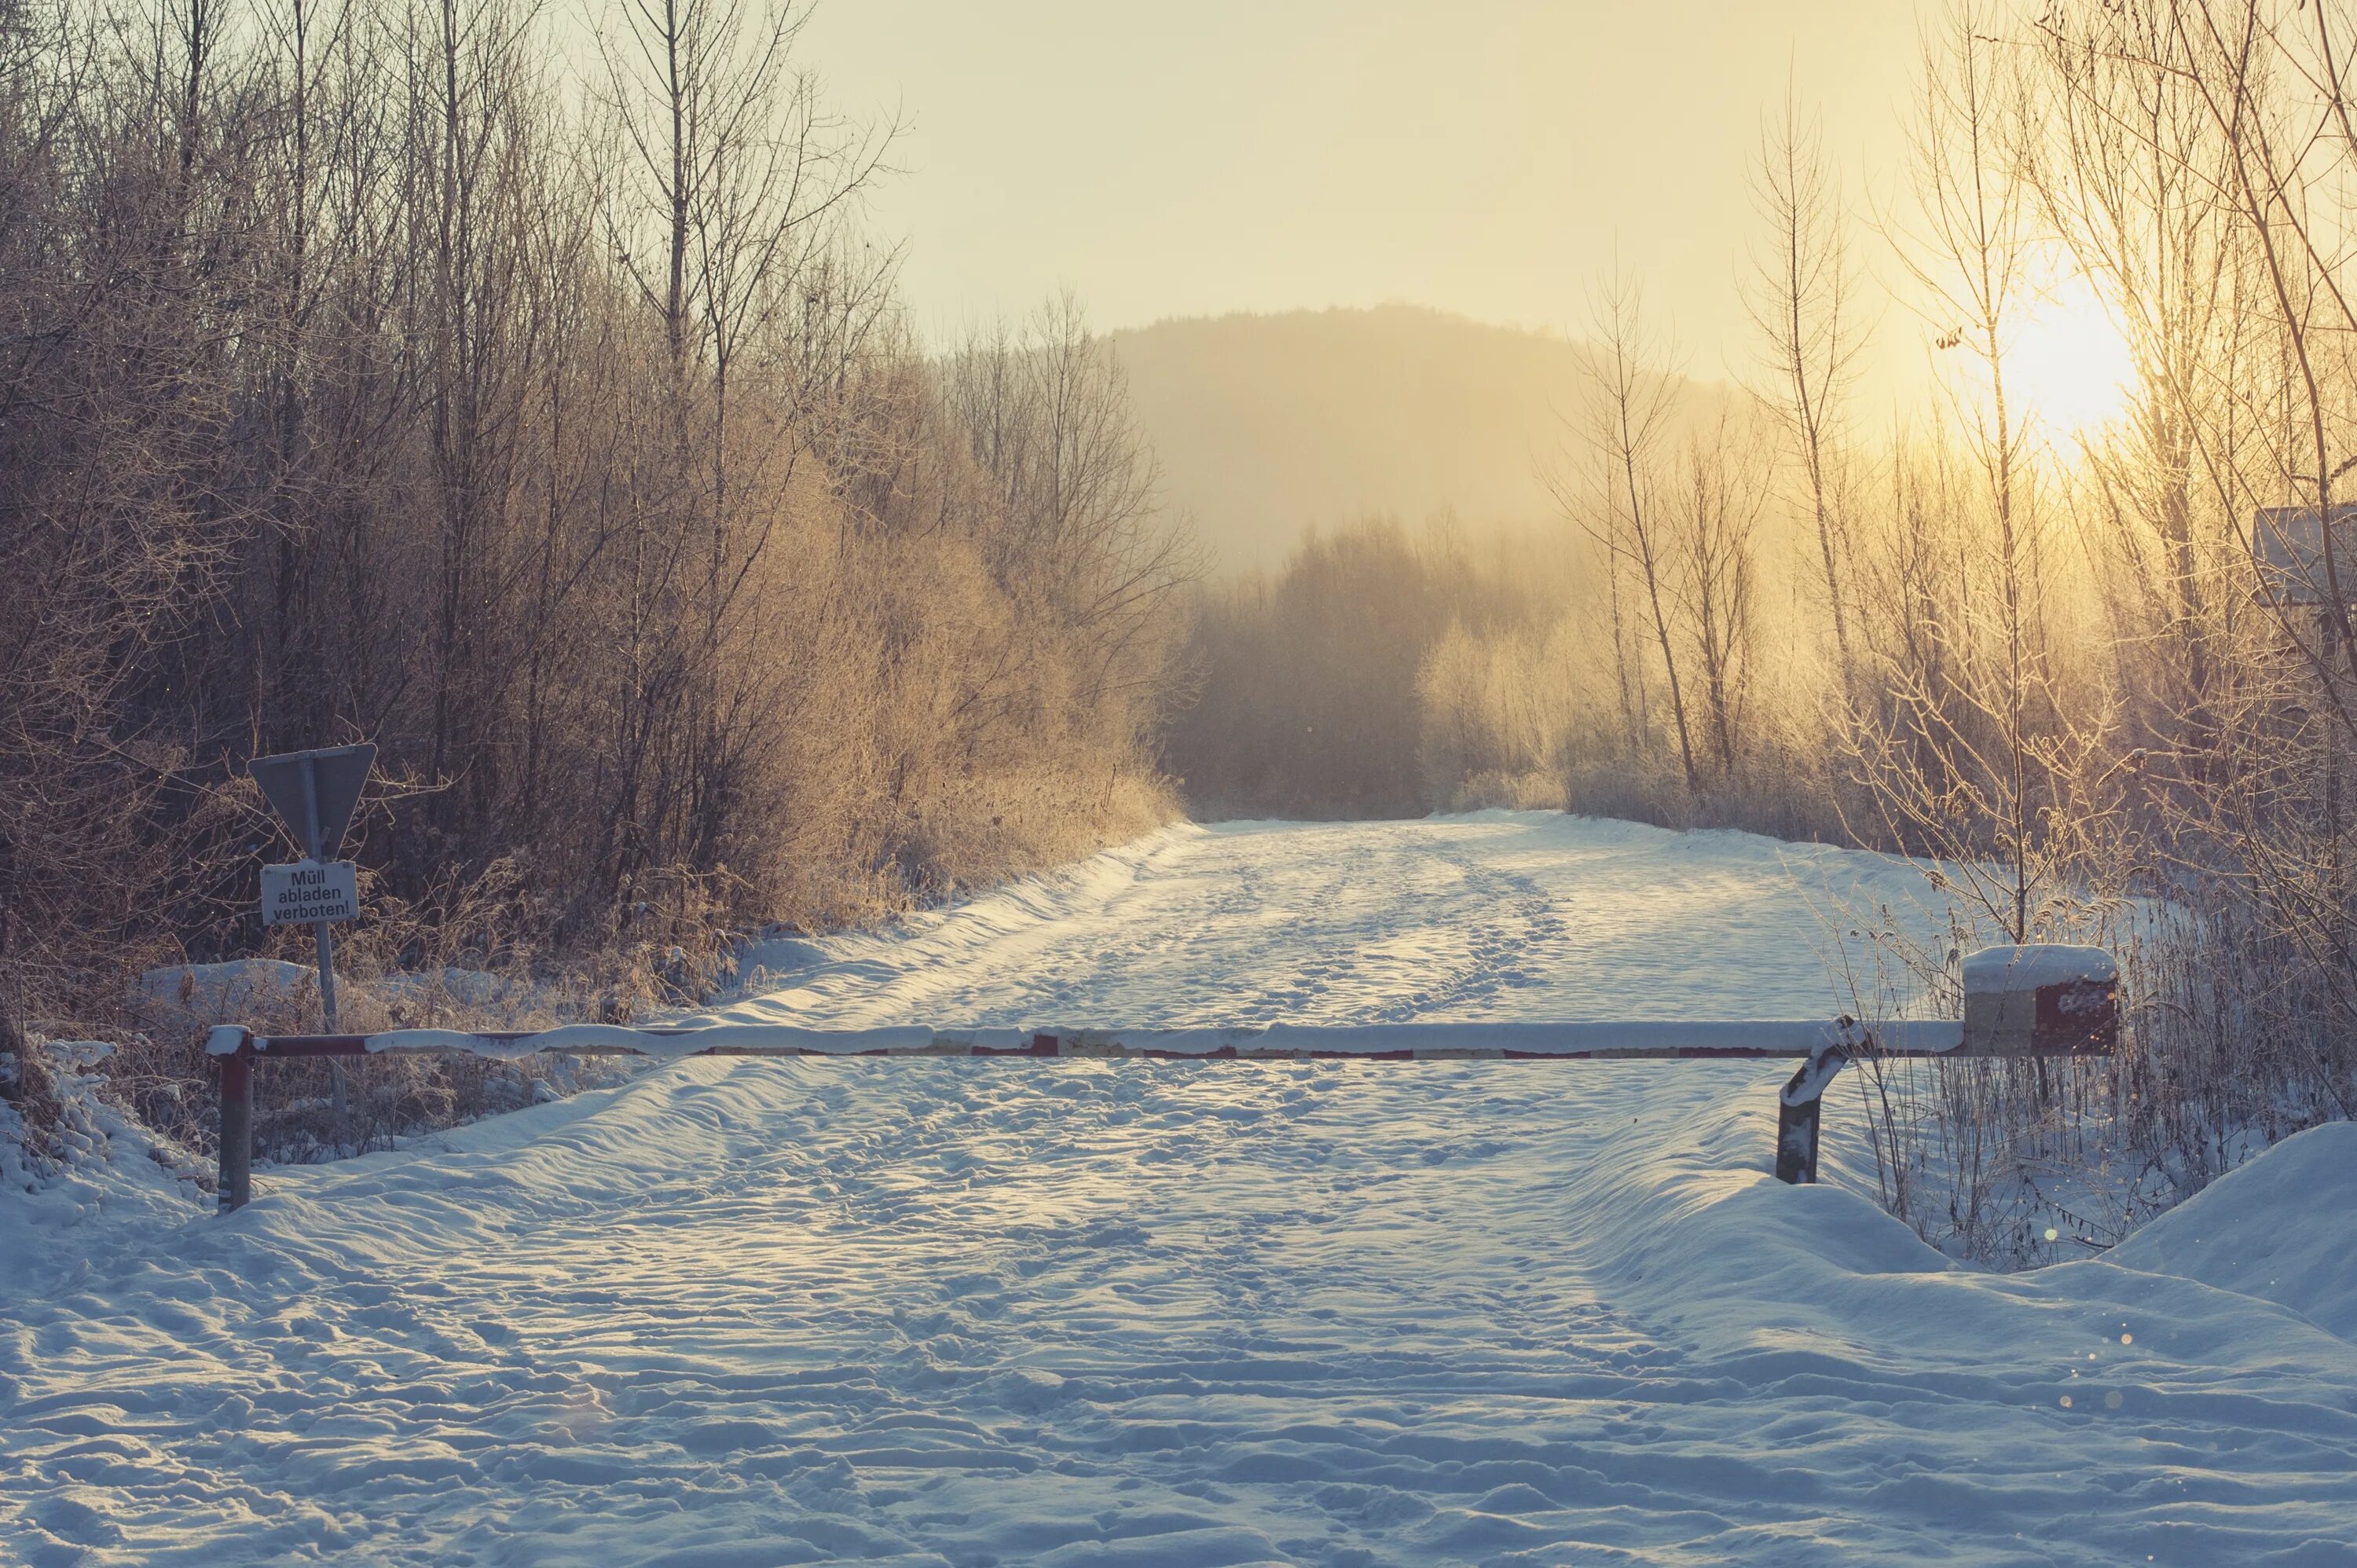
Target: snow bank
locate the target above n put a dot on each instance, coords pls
(244, 988)
(101, 1181)
(2282, 1228)
(467, 987)
(259, 989)
(1757, 1275)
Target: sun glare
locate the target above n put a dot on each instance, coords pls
(2070, 362)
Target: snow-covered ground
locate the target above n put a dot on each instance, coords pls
(752, 1312)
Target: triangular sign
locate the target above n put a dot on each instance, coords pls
(314, 792)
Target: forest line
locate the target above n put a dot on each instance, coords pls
(527, 398)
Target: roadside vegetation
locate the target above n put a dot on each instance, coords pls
(522, 393)
(2046, 658)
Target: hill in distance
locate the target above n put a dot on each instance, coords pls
(1270, 425)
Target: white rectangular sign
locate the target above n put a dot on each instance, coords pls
(307, 893)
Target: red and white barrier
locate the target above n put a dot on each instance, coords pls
(2027, 1001)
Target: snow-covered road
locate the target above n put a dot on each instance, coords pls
(753, 1312)
(1495, 916)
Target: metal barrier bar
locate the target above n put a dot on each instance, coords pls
(1585, 1040)
(2018, 1002)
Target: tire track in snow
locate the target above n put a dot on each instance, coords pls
(1494, 914)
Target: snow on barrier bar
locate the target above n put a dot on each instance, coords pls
(2019, 1001)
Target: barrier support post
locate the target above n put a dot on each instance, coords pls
(1801, 1104)
(236, 1185)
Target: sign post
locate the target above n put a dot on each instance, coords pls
(313, 793)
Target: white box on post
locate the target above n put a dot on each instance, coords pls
(2042, 999)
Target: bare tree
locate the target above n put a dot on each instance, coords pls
(1801, 297)
(2133, 181)
(1081, 524)
(736, 175)
(1974, 257)
(1628, 426)
(1714, 517)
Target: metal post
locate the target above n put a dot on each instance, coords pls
(1801, 1104)
(236, 1185)
(323, 946)
(1796, 1138)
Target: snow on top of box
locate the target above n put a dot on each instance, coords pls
(2034, 965)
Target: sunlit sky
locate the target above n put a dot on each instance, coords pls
(1490, 158)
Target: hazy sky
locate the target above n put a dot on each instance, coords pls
(1484, 156)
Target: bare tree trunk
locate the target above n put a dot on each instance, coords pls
(1800, 302)
(1629, 425)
